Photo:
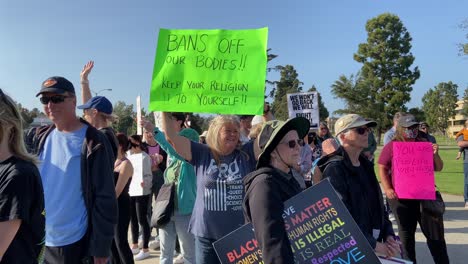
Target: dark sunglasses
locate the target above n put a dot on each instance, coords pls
(292, 143)
(362, 130)
(56, 99)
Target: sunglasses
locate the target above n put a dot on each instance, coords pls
(292, 143)
(56, 99)
(362, 130)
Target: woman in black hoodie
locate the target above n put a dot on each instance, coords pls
(271, 184)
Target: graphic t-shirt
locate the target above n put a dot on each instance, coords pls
(21, 197)
(220, 190)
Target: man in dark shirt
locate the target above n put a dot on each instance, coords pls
(353, 177)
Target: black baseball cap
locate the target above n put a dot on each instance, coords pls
(56, 84)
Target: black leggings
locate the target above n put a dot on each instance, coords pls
(138, 214)
(408, 215)
(121, 252)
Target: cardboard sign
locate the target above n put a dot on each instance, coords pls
(320, 230)
(304, 105)
(210, 71)
(413, 170)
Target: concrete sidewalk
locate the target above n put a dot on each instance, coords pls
(456, 235)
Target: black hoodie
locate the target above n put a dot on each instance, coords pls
(265, 191)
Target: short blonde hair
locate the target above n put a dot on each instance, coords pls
(212, 137)
(11, 128)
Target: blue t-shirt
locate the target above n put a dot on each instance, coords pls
(66, 216)
(220, 190)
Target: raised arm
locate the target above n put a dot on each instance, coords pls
(85, 90)
(181, 144)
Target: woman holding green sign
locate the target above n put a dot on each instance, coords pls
(220, 167)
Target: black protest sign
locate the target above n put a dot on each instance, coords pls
(304, 105)
(320, 230)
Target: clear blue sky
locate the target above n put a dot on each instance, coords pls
(51, 37)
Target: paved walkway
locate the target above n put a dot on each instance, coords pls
(456, 235)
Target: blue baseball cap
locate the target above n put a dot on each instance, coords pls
(100, 103)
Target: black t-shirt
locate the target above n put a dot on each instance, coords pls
(110, 135)
(22, 197)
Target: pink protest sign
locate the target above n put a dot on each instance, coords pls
(413, 170)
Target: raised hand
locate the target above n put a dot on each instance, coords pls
(86, 70)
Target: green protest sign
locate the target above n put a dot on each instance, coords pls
(210, 71)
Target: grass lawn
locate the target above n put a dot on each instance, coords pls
(450, 179)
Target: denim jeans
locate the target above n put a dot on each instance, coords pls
(177, 227)
(465, 173)
(204, 251)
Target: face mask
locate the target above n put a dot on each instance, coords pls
(410, 133)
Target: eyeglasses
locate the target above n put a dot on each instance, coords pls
(292, 143)
(56, 99)
(362, 130)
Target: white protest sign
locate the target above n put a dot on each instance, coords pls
(304, 105)
(138, 108)
(158, 120)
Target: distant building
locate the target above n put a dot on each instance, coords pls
(456, 124)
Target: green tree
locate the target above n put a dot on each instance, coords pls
(439, 105)
(197, 122)
(463, 47)
(323, 111)
(288, 83)
(465, 102)
(386, 74)
(125, 118)
(418, 113)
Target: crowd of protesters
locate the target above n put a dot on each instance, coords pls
(68, 200)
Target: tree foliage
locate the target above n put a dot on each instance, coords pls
(386, 78)
(439, 105)
(463, 47)
(288, 83)
(418, 113)
(270, 57)
(465, 102)
(125, 118)
(323, 111)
